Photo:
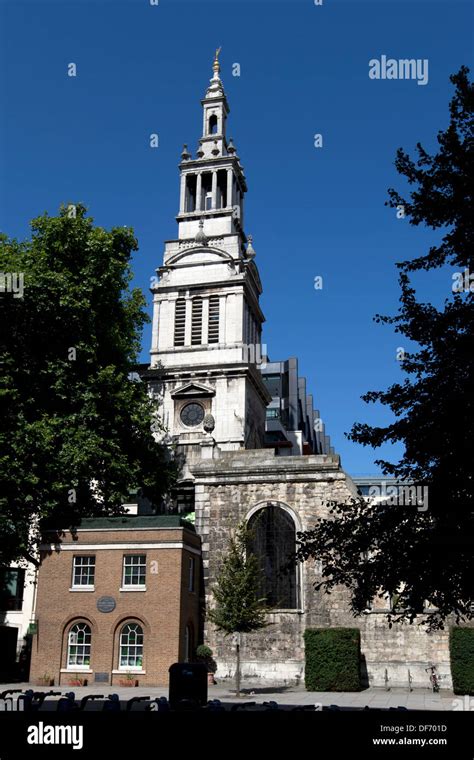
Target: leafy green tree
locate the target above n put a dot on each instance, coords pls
(237, 607)
(422, 554)
(76, 429)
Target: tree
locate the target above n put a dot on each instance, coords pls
(76, 433)
(237, 608)
(422, 555)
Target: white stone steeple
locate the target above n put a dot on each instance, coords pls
(207, 318)
(213, 183)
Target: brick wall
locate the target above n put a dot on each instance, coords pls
(163, 610)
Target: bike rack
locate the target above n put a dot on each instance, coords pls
(133, 700)
(87, 698)
(112, 704)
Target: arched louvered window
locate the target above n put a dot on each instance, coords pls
(213, 324)
(179, 322)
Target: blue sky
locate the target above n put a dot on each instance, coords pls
(143, 69)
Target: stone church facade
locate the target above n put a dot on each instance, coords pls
(206, 347)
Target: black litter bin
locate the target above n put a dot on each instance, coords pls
(188, 681)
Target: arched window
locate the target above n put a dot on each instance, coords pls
(79, 646)
(131, 646)
(272, 538)
(213, 124)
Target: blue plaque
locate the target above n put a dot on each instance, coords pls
(106, 604)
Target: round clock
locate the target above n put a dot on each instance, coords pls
(192, 415)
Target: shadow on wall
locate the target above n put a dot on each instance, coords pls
(364, 674)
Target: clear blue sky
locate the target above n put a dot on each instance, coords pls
(304, 70)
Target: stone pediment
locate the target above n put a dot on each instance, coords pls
(193, 390)
(199, 254)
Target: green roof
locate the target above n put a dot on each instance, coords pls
(130, 522)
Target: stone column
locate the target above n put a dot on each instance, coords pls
(230, 174)
(156, 318)
(214, 190)
(167, 321)
(182, 197)
(198, 191)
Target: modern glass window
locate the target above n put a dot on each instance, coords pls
(273, 384)
(83, 571)
(131, 646)
(272, 414)
(12, 582)
(79, 646)
(191, 573)
(134, 570)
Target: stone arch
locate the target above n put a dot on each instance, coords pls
(212, 124)
(273, 526)
(217, 253)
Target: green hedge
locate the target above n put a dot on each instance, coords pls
(332, 658)
(461, 647)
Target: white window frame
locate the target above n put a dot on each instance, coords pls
(130, 668)
(82, 586)
(75, 668)
(133, 586)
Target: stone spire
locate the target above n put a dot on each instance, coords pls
(213, 183)
(215, 89)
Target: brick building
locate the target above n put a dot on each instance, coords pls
(118, 601)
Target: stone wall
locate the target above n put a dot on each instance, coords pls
(228, 489)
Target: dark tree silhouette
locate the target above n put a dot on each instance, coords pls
(422, 555)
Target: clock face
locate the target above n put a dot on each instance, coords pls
(192, 415)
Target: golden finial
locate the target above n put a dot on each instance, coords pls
(215, 65)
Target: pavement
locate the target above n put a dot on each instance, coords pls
(284, 696)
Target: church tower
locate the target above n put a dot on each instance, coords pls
(207, 319)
